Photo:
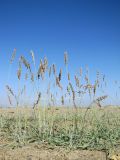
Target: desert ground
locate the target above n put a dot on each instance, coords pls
(96, 136)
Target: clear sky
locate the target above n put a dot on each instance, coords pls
(88, 29)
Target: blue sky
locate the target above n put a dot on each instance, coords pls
(88, 29)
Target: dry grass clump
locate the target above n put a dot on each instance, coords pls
(74, 127)
(72, 91)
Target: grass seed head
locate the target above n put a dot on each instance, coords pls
(13, 56)
(50, 71)
(65, 58)
(9, 99)
(58, 83)
(32, 77)
(54, 69)
(33, 57)
(68, 76)
(27, 65)
(60, 74)
(10, 90)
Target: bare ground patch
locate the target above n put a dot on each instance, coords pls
(44, 153)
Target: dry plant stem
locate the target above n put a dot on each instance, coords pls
(10, 101)
(12, 93)
(38, 100)
(75, 109)
(84, 119)
(39, 118)
(36, 87)
(18, 109)
(66, 66)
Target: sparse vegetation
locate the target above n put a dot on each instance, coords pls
(59, 120)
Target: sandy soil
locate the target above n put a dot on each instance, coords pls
(44, 153)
